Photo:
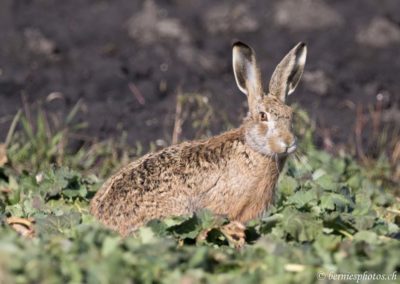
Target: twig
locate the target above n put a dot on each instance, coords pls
(22, 221)
(360, 122)
(396, 152)
(12, 128)
(347, 234)
(384, 238)
(327, 140)
(376, 117)
(294, 267)
(22, 226)
(136, 93)
(178, 120)
(27, 111)
(5, 190)
(394, 211)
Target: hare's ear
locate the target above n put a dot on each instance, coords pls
(247, 74)
(288, 72)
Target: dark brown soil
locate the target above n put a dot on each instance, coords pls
(58, 52)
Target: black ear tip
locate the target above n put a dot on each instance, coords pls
(240, 44)
(301, 46)
(243, 49)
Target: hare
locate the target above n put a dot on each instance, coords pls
(233, 174)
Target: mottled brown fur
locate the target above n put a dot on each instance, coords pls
(227, 174)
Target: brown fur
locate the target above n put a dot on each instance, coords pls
(226, 174)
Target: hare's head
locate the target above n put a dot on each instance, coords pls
(268, 125)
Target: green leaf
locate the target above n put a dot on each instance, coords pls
(364, 222)
(146, 235)
(302, 198)
(109, 245)
(327, 182)
(189, 228)
(354, 181)
(55, 224)
(301, 226)
(158, 227)
(287, 185)
(366, 236)
(334, 201)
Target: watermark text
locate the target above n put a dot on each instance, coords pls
(357, 277)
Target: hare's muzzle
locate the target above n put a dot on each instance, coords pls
(292, 147)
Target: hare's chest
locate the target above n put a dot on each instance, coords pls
(245, 173)
(238, 187)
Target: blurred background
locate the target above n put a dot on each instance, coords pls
(160, 71)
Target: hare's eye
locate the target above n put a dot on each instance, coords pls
(263, 116)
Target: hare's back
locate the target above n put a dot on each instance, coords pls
(139, 177)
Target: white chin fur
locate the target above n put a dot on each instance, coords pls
(290, 150)
(258, 142)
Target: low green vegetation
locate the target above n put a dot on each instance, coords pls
(330, 216)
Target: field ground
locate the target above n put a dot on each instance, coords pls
(126, 61)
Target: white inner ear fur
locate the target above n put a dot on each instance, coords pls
(251, 76)
(248, 71)
(239, 70)
(299, 65)
(238, 83)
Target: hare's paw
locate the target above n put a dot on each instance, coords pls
(202, 236)
(235, 233)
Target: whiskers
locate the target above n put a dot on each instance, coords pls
(301, 161)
